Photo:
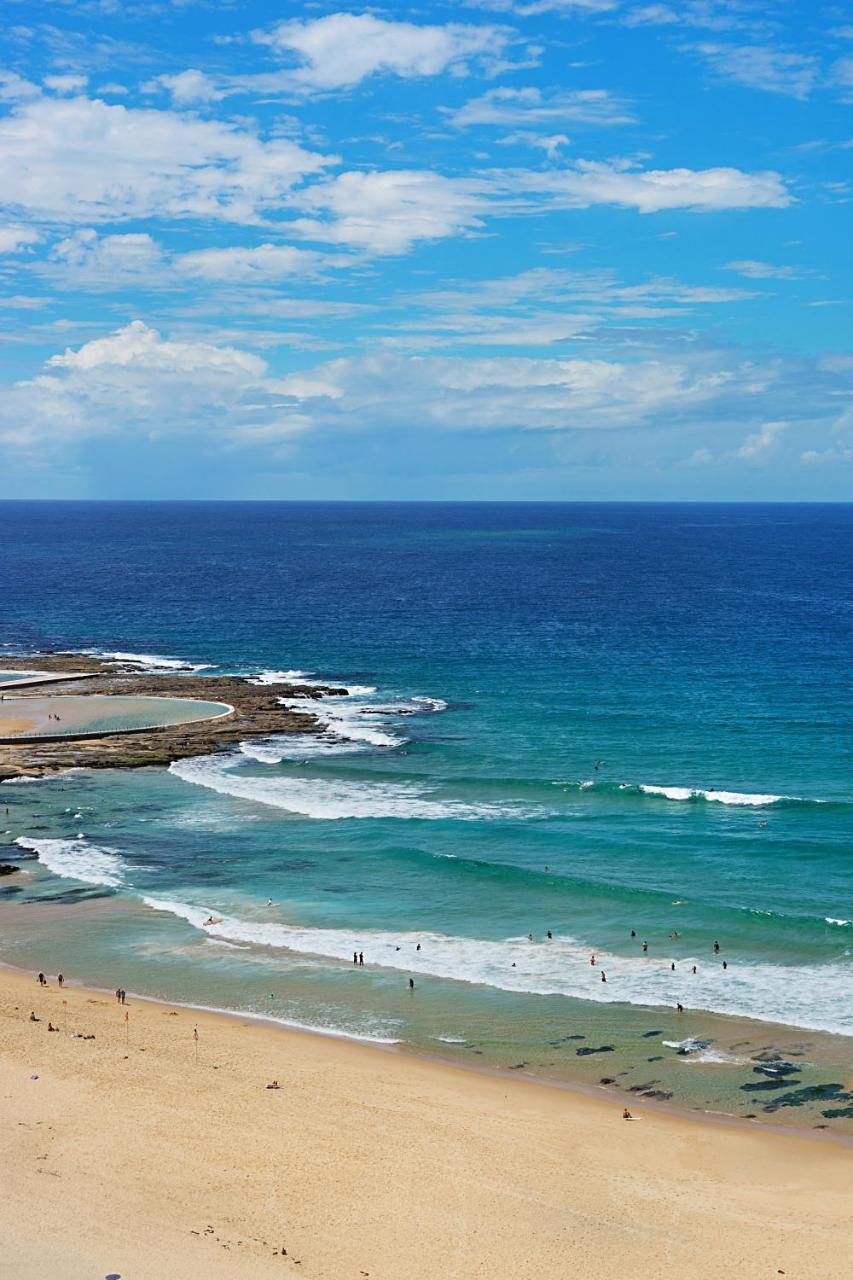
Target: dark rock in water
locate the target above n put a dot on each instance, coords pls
(647, 1035)
(779, 1068)
(6, 869)
(69, 896)
(642, 1088)
(657, 1058)
(517, 1066)
(661, 1094)
(763, 1085)
(585, 1051)
(555, 1044)
(9, 889)
(836, 1113)
(811, 1093)
(607, 1080)
(749, 1115)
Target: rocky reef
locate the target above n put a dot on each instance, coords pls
(257, 711)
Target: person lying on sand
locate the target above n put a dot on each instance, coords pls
(275, 1085)
(33, 1017)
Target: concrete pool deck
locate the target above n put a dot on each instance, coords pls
(24, 679)
(33, 719)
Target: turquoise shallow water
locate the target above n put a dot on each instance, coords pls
(588, 720)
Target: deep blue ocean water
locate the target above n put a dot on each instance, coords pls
(588, 719)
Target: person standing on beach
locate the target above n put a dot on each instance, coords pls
(361, 957)
(42, 980)
(411, 984)
(118, 995)
(60, 979)
(355, 957)
(123, 994)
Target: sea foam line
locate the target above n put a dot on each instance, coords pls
(819, 997)
(147, 661)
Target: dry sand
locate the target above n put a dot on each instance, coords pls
(131, 1160)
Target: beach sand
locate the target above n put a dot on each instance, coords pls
(127, 1158)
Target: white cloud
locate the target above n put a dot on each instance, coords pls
(511, 392)
(762, 67)
(135, 382)
(66, 83)
(761, 443)
(254, 265)
(86, 260)
(754, 270)
(81, 159)
(189, 87)
(342, 49)
(14, 237)
(386, 212)
(527, 107)
(591, 182)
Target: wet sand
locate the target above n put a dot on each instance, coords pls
(126, 1156)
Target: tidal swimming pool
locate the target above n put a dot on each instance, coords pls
(70, 716)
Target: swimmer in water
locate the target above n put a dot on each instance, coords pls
(592, 959)
(645, 946)
(603, 976)
(549, 935)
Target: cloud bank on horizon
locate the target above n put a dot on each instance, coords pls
(505, 249)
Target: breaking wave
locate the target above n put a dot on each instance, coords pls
(695, 795)
(77, 860)
(811, 997)
(147, 661)
(322, 799)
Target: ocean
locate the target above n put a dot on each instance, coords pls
(571, 730)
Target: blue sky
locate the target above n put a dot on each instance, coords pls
(521, 249)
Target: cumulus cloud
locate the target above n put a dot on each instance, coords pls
(528, 107)
(188, 87)
(81, 159)
(342, 49)
(134, 381)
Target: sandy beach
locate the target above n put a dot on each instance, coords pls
(127, 1157)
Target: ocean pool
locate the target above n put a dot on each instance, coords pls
(22, 719)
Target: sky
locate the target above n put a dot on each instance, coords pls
(495, 250)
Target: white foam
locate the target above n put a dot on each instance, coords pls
(322, 799)
(818, 998)
(699, 793)
(148, 661)
(77, 860)
(832, 920)
(351, 721)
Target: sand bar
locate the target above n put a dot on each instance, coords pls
(126, 1157)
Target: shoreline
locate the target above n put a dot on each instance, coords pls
(363, 1163)
(607, 1094)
